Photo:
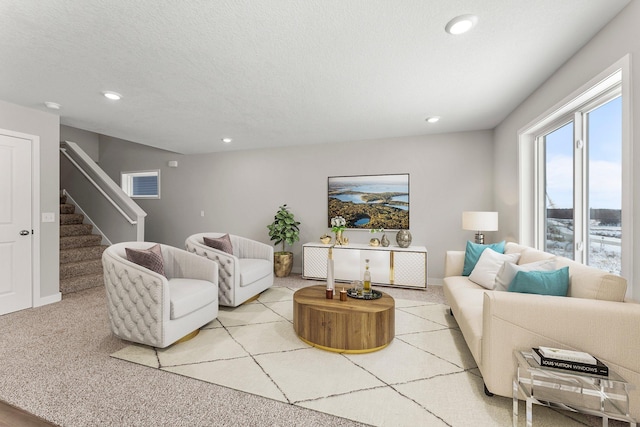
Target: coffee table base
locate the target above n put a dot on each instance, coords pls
(352, 326)
(342, 350)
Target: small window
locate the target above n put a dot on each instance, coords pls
(141, 185)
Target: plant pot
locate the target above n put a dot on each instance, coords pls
(282, 263)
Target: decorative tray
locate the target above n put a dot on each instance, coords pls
(354, 294)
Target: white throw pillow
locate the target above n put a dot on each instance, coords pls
(509, 271)
(484, 273)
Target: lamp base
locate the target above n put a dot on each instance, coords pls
(480, 238)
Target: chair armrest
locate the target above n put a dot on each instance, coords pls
(513, 321)
(180, 263)
(247, 248)
(137, 299)
(453, 263)
(228, 265)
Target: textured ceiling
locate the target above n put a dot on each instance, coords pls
(282, 73)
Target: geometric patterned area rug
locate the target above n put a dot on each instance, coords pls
(425, 377)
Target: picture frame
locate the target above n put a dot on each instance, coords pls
(370, 201)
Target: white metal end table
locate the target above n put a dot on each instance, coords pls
(606, 397)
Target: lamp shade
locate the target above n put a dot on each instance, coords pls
(480, 221)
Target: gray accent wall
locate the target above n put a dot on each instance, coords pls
(240, 191)
(47, 127)
(619, 38)
(88, 141)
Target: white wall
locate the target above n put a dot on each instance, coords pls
(47, 127)
(241, 191)
(619, 37)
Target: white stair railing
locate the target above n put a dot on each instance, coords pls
(118, 217)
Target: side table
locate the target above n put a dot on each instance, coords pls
(606, 397)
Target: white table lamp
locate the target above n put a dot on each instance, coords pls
(479, 222)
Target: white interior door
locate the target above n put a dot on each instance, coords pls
(15, 224)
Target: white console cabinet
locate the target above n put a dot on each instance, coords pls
(391, 266)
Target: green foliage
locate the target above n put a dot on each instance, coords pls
(284, 228)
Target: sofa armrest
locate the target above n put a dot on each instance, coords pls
(513, 321)
(453, 263)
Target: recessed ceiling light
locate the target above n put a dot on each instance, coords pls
(227, 140)
(112, 95)
(53, 105)
(461, 24)
(433, 119)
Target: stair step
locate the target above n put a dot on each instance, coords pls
(66, 208)
(80, 241)
(63, 199)
(75, 230)
(80, 283)
(81, 254)
(74, 218)
(80, 268)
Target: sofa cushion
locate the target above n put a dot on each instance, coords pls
(473, 252)
(222, 243)
(150, 258)
(529, 255)
(252, 270)
(487, 267)
(511, 248)
(555, 282)
(508, 271)
(189, 295)
(590, 282)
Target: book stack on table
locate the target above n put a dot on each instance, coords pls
(576, 361)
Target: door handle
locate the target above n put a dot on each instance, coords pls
(24, 233)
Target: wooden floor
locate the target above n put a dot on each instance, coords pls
(10, 416)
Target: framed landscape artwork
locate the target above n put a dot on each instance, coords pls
(370, 201)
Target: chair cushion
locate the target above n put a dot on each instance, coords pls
(252, 270)
(222, 243)
(188, 295)
(148, 258)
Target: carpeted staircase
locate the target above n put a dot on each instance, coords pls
(80, 251)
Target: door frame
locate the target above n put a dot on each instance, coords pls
(36, 301)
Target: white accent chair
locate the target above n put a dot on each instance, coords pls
(148, 308)
(245, 274)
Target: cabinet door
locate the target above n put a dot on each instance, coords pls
(314, 262)
(346, 262)
(410, 269)
(379, 262)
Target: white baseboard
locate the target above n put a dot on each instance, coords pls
(57, 297)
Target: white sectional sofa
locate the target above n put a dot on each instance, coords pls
(593, 317)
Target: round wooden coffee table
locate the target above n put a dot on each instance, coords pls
(351, 326)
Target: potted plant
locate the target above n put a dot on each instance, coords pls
(284, 229)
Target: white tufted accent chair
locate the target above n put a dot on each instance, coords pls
(149, 308)
(242, 275)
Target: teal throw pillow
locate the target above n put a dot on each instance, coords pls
(473, 252)
(555, 282)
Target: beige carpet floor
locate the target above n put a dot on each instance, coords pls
(56, 364)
